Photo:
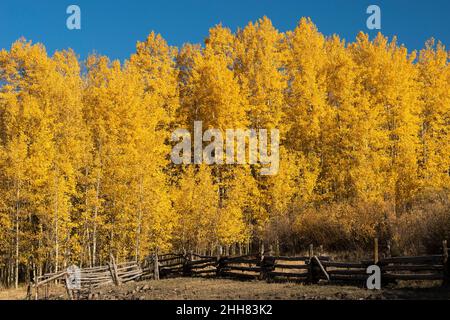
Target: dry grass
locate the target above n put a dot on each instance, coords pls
(13, 294)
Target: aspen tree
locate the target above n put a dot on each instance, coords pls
(154, 59)
(434, 79)
(306, 107)
(69, 137)
(195, 201)
(154, 64)
(352, 139)
(260, 58)
(27, 145)
(389, 80)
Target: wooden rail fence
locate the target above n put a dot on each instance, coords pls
(89, 278)
(263, 266)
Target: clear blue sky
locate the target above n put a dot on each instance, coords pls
(112, 27)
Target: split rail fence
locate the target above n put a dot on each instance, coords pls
(263, 266)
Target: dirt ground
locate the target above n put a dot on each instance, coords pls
(221, 289)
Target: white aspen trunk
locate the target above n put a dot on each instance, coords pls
(139, 224)
(56, 227)
(16, 274)
(94, 231)
(86, 243)
(39, 246)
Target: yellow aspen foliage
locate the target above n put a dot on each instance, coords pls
(307, 112)
(195, 202)
(259, 61)
(214, 93)
(211, 93)
(136, 214)
(69, 140)
(351, 159)
(221, 42)
(260, 57)
(293, 185)
(306, 104)
(41, 122)
(154, 63)
(389, 79)
(435, 114)
(185, 62)
(240, 211)
(154, 60)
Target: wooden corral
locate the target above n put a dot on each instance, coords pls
(262, 266)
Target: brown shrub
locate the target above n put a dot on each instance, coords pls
(422, 228)
(344, 226)
(352, 226)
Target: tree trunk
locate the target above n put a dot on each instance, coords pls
(16, 274)
(94, 232)
(139, 224)
(56, 227)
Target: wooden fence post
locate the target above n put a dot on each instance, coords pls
(311, 251)
(270, 252)
(311, 267)
(191, 258)
(446, 281)
(36, 285)
(113, 270)
(219, 261)
(262, 272)
(187, 265)
(46, 291)
(156, 266)
(69, 291)
(267, 266)
(29, 290)
(375, 251)
(219, 252)
(445, 250)
(388, 249)
(311, 271)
